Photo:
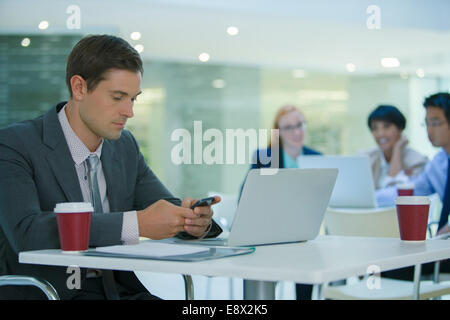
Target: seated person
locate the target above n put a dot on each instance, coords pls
(434, 178)
(392, 162)
(47, 160)
(291, 124)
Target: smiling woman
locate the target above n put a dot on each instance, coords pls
(392, 161)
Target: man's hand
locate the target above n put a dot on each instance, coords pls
(444, 229)
(199, 225)
(163, 220)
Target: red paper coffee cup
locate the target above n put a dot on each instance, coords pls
(406, 189)
(74, 224)
(412, 214)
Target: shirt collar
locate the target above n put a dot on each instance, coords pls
(446, 154)
(77, 148)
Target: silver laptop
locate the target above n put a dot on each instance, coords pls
(288, 206)
(354, 185)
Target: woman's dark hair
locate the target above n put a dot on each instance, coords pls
(439, 100)
(94, 55)
(388, 114)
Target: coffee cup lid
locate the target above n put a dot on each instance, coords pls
(405, 186)
(412, 200)
(73, 207)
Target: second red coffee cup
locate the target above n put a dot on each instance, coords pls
(405, 189)
(74, 224)
(412, 214)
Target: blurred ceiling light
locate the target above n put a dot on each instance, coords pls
(390, 62)
(203, 57)
(232, 30)
(135, 35)
(43, 25)
(218, 83)
(404, 75)
(350, 67)
(313, 94)
(25, 42)
(299, 73)
(420, 73)
(139, 48)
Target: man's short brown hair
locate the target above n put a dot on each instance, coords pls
(94, 55)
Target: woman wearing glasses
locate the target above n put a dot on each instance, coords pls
(291, 126)
(392, 161)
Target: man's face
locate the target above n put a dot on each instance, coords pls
(105, 110)
(438, 128)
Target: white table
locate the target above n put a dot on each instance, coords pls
(325, 259)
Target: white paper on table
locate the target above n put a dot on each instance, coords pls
(153, 249)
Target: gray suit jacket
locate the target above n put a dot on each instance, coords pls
(37, 171)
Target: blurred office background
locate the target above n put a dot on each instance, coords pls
(323, 56)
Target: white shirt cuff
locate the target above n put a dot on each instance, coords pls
(389, 181)
(130, 228)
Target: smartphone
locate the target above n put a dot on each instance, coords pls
(203, 202)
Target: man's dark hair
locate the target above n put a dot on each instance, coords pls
(439, 100)
(388, 114)
(93, 55)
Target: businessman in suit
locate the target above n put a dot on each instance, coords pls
(58, 157)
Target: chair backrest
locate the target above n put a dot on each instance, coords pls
(434, 215)
(363, 222)
(435, 207)
(225, 210)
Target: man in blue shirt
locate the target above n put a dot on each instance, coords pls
(435, 177)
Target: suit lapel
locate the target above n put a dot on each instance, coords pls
(63, 168)
(59, 157)
(113, 175)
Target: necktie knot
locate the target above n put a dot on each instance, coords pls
(92, 162)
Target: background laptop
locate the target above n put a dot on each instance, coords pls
(354, 185)
(288, 206)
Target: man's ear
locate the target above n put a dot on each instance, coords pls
(79, 87)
